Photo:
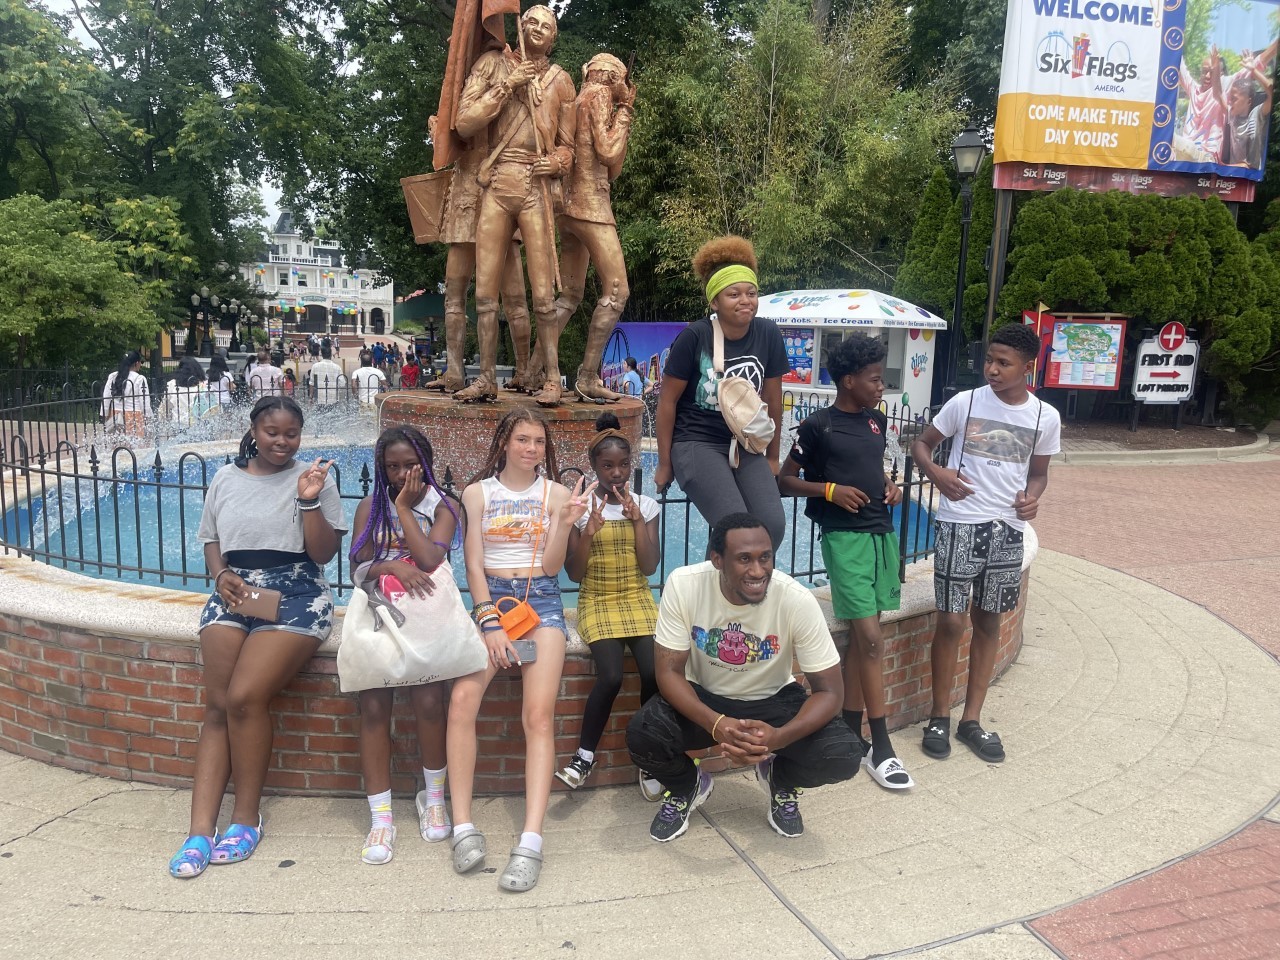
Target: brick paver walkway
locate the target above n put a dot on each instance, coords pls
(1221, 905)
(1210, 533)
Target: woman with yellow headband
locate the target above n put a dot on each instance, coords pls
(693, 439)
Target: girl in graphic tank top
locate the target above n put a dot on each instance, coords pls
(515, 547)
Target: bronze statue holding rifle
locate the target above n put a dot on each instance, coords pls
(520, 107)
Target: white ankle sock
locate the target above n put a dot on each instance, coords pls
(380, 809)
(531, 840)
(435, 785)
(587, 755)
(461, 828)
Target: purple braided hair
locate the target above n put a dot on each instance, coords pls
(379, 526)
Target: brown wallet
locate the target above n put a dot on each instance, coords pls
(261, 603)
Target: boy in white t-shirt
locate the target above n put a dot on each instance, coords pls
(991, 486)
(728, 630)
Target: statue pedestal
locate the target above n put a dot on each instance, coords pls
(460, 433)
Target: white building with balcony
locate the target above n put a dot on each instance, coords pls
(315, 287)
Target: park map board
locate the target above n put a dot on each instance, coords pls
(1085, 355)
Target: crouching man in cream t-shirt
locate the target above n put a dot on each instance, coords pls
(727, 632)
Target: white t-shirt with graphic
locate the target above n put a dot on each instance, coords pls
(743, 652)
(995, 441)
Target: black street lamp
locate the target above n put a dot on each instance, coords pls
(202, 306)
(967, 151)
(247, 321)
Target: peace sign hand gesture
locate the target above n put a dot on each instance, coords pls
(630, 508)
(576, 505)
(311, 480)
(595, 522)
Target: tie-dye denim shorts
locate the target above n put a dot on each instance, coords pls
(306, 604)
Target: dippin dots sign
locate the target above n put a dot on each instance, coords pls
(1078, 82)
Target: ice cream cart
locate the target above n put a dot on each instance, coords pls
(812, 321)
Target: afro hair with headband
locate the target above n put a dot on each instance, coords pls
(723, 252)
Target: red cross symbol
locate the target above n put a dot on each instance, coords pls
(1172, 335)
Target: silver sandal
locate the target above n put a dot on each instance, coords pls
(468, 851)
(522, 870)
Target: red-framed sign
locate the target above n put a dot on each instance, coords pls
(1085, 354)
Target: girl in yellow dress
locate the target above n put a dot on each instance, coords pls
(612, 552)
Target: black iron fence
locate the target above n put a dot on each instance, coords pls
(72, 496)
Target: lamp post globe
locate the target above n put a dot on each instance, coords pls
(967, 151)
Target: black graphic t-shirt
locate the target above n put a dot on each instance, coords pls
(851, 454)
(759, 356)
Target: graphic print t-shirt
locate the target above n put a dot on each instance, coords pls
(759, 356)
(512, 522)
(995, 440)
(743, 652)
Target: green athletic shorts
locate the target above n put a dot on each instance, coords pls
(863, 570)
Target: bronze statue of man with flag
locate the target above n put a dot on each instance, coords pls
(518, 109)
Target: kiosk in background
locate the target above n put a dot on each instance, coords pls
(812, 321)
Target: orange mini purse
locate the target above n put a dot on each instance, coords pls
(519, 620)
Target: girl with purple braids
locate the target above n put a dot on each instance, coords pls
(407, 527)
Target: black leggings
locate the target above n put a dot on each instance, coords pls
(608, 655)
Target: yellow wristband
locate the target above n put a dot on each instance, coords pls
(714, 725)
(831, 489)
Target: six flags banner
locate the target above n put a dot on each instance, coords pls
(1160, 86)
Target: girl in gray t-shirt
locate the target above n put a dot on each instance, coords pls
(270, 523)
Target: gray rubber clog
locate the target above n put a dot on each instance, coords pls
(468, 851)
(522, 870)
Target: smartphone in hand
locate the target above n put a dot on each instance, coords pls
(526, 650)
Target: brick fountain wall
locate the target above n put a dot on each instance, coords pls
(122, 704)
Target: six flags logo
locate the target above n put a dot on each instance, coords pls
(1077, 59)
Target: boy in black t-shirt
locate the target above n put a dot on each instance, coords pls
(841, 450)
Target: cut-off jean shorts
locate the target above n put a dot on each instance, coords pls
(306, 605)
(544, 597)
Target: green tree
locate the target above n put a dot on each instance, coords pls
(808, 144)
(44, 78)
(961, 41)
(928, 274)
(926, 277)
(63, 290)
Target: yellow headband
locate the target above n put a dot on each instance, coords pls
(727, 277)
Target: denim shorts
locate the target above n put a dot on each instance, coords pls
(306, 605)
(544, 597)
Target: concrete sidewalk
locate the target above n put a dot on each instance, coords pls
(1139, 728)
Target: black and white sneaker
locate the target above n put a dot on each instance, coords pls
(576, 771)
(672, 818)
(784, 802)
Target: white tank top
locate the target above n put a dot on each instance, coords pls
(512, 522)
